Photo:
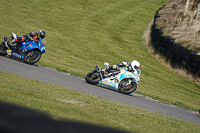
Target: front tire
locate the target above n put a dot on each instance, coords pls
(93, 77)
(32, 56)
(126, 88)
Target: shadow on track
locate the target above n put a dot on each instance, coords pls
(14, 119)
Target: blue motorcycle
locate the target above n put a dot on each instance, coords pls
(30, 51)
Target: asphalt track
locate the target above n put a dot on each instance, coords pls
(50, 76)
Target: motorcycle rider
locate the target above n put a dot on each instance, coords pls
(34, 36)
(130, 66)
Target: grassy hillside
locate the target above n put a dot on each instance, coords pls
(83, 33)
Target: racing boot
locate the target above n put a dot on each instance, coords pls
(107, 66)
(106, 70)
(6, 42)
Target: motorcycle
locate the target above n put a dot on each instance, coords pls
(30, 51)
(122, 80)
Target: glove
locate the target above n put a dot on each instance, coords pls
(115, 67)
(124, 63)
(31, 38)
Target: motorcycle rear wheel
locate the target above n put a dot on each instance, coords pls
(127, 88)
(3, 51)
(93, 77)
(32, 56)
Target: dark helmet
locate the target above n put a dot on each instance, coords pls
(41, 34)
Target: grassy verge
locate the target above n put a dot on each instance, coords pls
(62, 103)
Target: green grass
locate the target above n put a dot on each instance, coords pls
(83, 33)
(62, 103)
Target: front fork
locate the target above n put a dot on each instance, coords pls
(128, 81)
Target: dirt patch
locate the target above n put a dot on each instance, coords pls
(185, 30)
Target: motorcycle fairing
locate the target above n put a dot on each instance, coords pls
(114, 82)
(13, 53)
(33, 45)
(108, 81)
(126, 74)
(9, 52)
(134, 75)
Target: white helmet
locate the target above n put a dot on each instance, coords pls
(135, 65)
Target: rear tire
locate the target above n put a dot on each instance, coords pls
(3, 51)
(32, 56)
(93, 77)
(126, 88)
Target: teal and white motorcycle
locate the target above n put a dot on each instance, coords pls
(124, 81)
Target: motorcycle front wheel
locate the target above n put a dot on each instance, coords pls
(127, 87)
(33, 56)
(93, 77)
